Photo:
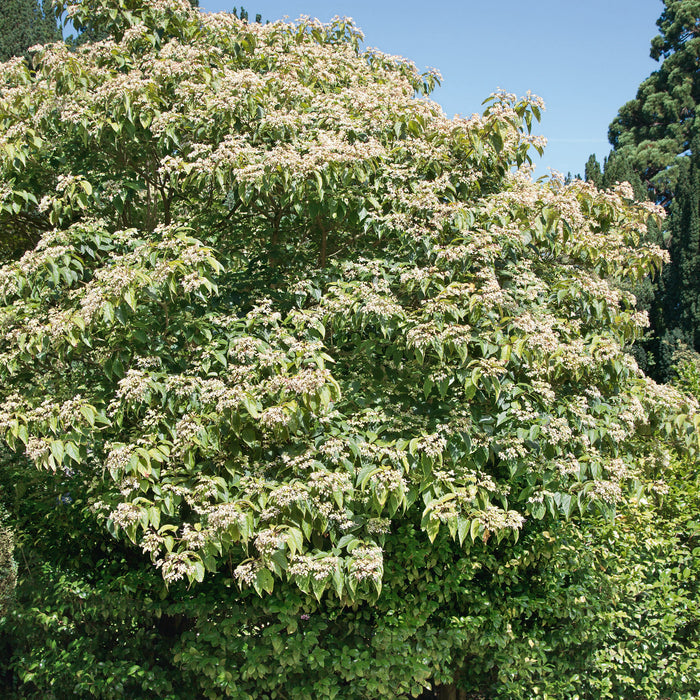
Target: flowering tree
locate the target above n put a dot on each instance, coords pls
(279, 321)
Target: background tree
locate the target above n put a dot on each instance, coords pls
(24, 23)
(653, 140)
(656, 127)
(680, 283)
(243, 14)
(616, 169)
(302, 375)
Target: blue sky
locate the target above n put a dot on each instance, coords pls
(585, 58)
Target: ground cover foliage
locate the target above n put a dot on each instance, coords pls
(308, 391)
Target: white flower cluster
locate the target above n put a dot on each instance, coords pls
(125, 514)
(390, 479)
(275, 417)
(286, 494)
(37, 448)
(224, 515)
(334, 449)
(432, 445)
(608, 491)
(134, 385)
(306, 382)
(378, 526)
(494, 519)
(248, 571)
(319, 568)
(128, 485)
(367, 562)
(176, 566)
(325, 483)
(119, 457)
(151, 542)
(267, 542)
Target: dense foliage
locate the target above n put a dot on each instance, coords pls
(588, 610)
(348, 389)
(25, 23)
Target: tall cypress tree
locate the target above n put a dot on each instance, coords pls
(593, 172)
(24, 23)
(680, 284)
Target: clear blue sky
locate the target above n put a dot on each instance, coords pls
(585, 58)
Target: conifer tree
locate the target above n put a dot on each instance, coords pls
(593, 171)
(616, 168)
(24, 23)
(657, 126)
(651, 138)
(680, 284)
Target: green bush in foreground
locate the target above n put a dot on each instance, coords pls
(591, 609)
(309, 391)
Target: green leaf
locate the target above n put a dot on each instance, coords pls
(295, 540)
(199, 571)
(475, 529)
(57, 450)
(263, 581)
(432, 528)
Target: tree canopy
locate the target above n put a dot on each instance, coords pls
(282, 324)
(25, 23)
(659, 124)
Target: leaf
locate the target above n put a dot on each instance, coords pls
(57, 450)
(89, 413)
(73, 451)
(263, 581)
(337, 579)
(251, 405)
(295, 540)
(199, 571)
(537, 509)
(462, 529)
(318, 586)
(249, 436)
(432, 528)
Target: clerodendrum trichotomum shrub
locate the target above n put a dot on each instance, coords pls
(290, 335)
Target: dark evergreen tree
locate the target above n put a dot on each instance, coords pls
(593, 172)
(243, 14)
(680, 284)
(657, 126)
(656, 148)
(616, 168)
(25, 23)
